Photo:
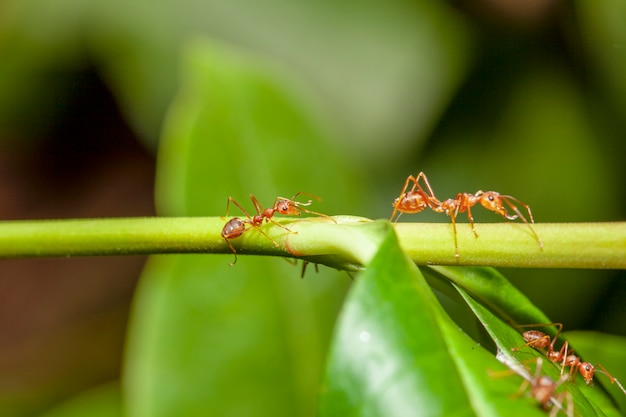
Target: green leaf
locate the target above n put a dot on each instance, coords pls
(490, 289)
(206, 338)
(396, 352)
(588, 402)
(495, 291)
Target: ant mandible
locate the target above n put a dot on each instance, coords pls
(416, 200)
(237, 226)
(565, 356)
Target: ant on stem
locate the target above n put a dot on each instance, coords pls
(305, 264)
(417, 199)
(237, 226)
(565, 356)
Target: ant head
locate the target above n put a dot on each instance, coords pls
(587, 371)
(234, 228)
(284, 206)
(492, 200)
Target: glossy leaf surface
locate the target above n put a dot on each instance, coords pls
(588, 401)
(494, 290)
(397, 353)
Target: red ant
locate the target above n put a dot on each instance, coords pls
(416, 200)
(543, 389)
(236, 226)
(565, 356)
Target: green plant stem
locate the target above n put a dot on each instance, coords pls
(111, 236)
(565, 245)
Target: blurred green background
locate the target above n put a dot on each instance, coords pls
(343, 100)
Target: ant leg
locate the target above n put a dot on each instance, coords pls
(415, 200)
(433, 202)
(506, 199)
(558, 332)
(456, 242)
(562, 402)
(266, 214)
(306, 194)
(232, 200)
(305, 264)
(257, 205)
(282, 226)
(471, 221)
(267, 236)
(430, 190)
(570, 404)
(290, 206)
(232, 248)
(252, 221)
(234, 252)
(522, 388)
(393, 214)
(563, 353)
(559, 327)
(318, 214)
(234, 228)
(395, 206)
(534, 343)
(467, 201)
(450, 208)
(614, 380)
(285, 205)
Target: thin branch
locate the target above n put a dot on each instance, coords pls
(345, 244)
(565, 245)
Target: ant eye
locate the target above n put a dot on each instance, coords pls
(491, 198)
